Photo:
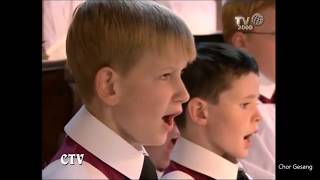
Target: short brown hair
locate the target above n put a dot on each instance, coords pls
(245, 8)
(116, 33)
(217, 65)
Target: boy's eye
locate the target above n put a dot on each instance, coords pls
(244, 105)
(165, 76)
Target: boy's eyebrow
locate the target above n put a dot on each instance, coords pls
(173, 67)
(166, 68)
(251, 96)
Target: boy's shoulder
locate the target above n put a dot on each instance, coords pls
(56, 170)
(179, 171)
(189, 157)
(72, 161)
(98, 148)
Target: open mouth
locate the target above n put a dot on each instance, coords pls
(173, 141)
(247, 137)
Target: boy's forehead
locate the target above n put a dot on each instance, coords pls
(170, 53)
(243, 87)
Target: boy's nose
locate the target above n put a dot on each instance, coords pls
(182, 94)
(257, 117)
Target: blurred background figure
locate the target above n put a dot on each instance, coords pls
(202, 17)
(56, 18)
(160, 155)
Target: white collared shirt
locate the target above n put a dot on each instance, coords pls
(102, 142)
(200, 160)
(260, 162)
(159, 173)
(267, 86)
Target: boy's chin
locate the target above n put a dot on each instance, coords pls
(234, 157)
(157, 141)
(230, 158)
(243, 154)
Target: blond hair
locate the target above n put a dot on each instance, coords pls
(116, 34)
(245, 8)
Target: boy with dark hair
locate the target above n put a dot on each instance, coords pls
(221, 116)
(260, 42)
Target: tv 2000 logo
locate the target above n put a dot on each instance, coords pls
(243, 23)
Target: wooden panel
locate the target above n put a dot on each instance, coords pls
(209, 38)
(57, 107)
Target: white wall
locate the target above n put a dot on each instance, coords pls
(199, 15)
(55, 22)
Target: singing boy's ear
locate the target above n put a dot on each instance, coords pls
(198, 111)
(239, 40)
(106, 85)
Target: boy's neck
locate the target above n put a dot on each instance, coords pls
(105, 117)
(230, 158)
